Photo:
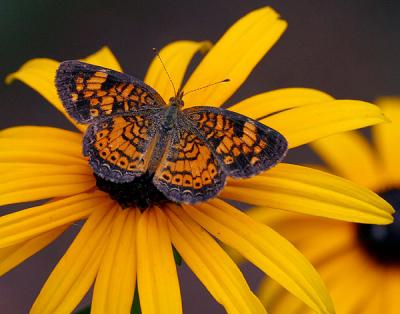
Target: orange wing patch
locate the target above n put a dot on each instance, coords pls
(188, 171)
(118, 148)
(244, 146)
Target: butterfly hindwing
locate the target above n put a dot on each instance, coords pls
(244, 146)
(90, 92)
(120, 148)
(188, 171)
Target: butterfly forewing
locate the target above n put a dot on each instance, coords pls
(91, 92)
(244, 146)
(120, 148)
(188, 172)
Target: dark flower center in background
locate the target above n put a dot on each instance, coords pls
(383, 242)
(141, 192)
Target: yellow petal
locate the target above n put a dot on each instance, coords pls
(302, 230)
(271, 294)
(363, 275)
(234, 56)
(176, 57)
(14, 255)
(386, 138)
(350, 155)
(25, 170)
(305, 124)
(266, 249)
(264, 104)
(28, 223)
(315, 237)
(42, 187)
(313, 192)
(104, 58)
(39, 74)
(76, 271)
(277, 300)
(43, 145)
(211, 264)
(116, 280)
(391, 290)
(376, 302)
(158, 283)
(41, 132)
(46, 157)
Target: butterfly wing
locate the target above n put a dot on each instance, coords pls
(244, 146)
(120, 148)
(188, 171)
(90, 92)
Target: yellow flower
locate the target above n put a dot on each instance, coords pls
(359, 263)
(115, 247)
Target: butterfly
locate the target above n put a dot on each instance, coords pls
(133, 132)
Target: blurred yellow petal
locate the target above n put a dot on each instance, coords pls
(176, 57)
(360, 283)
(39, 74)
(14, 255)
(309, 191)
(301, 230)
(329, 241)
(116, 279)
(264, 104)
(305, 124)
(350, 155)
(211, 264)
(377, 301)
(158, 283)
(391, 290)
(269, 292)
(28, 223)
(234, 56)
(281, 302)
(386, 138)
(77, 269)
(42, 187)
(264, 248)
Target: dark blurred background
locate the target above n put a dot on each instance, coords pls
(349, 49)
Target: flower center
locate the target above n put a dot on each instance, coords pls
(140, 193)
(383, 242)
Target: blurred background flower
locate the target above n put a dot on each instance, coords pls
(346, 48)
(360, 263)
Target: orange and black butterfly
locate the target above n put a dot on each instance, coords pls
(132, 132)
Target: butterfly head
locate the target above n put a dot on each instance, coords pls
(177, 100)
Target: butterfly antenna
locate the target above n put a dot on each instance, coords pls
(212, 84)
(165, 68)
